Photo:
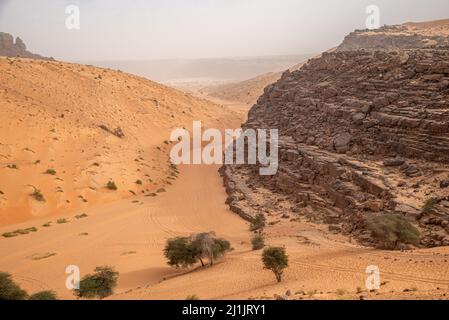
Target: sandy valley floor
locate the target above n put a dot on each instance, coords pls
(130, 235)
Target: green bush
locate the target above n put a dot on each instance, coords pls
(180, 252)
(9, 290)
(276, 260)
(44, 295)
(100, 284)
(258, 223)
(391, 229)
(258, 242)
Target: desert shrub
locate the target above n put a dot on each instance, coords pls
(429, 205)
(10, 234)
(258, 223)
(391, 229)
(192, 297)
(276, 260)
(9, 290)
(51, 172)
(100, 284)
(26, 231)
(81, 216)
(139, 182)
(185, 252)
(111, 185)
(42, 256)
(62, 221)
(258, 242)
(37, 194)
(44, 295)
(18, 232)
(180, 252)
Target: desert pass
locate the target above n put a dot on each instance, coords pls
(99, 198)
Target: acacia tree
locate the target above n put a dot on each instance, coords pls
(276, 260)
(100, 284)
(185, 252)
(391, 229)
(180, 252)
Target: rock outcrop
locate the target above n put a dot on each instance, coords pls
(405, 36)
(361, 133)
(17, 48)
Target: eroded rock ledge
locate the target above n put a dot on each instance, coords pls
(361, 133)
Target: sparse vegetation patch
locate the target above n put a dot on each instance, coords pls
(389, 230)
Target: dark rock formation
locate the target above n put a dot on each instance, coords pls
(360, 133)
(9, 48)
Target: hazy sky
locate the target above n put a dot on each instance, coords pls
(154, 29)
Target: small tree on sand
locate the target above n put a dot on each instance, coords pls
(276, 260)
(391, 229)
(184, 252)
(209, 247)
(180, 252)
(100, 284)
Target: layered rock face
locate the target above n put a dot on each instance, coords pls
(361, 133)
(17, 48)
(406, 36)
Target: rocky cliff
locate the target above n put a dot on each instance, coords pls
(17, 48)
(405, 36)
(361, 133)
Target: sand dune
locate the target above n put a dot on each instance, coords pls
(125, 234)
(57, 135)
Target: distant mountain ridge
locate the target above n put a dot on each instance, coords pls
(17, 48)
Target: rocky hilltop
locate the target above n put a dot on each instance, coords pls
(404, 36)
(17, 48)
(362, 133)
